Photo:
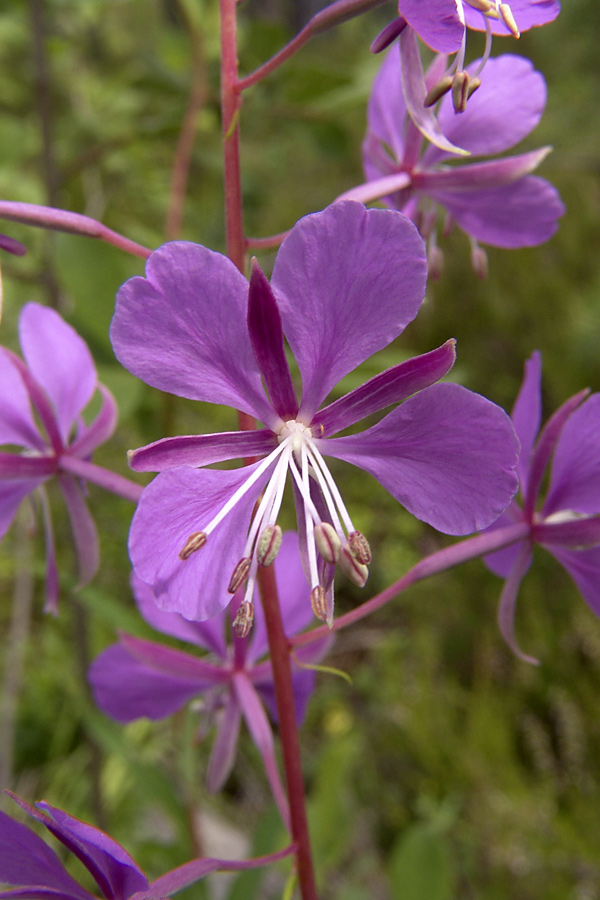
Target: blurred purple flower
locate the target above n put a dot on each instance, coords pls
(346, 282)
(497, 202)
(138, 677)
(567, 523)
(36, 873)
(41, 401)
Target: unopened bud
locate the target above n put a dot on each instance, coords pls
(244, 618)
(479, 261)
(474, 83)
(507, 17)
(460, 91)
(359, 547)
(239, 575)
(318, 601)
(428, 223)
(435, 262)
(268, 545)
(357, 572)
(436, 93)
(195, 541)
(327, 541)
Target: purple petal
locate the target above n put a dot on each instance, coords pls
(391, 386)
(60, 362)
(577, 533)
(527, 414)
(294, 598)
(479, 176)
(508, 105)
(266, 335)
(527, 14)
(201, 450)
(126, 689)
(414, 87)
(508, 602)
(182, 329)
(25, 859)
(83, 527)
(35, 892)
(437, 22)
(386, 112)
(176, 504)
(446, 454)
(12, 494)
(100, 430)
(348, 281)
(222, 756)
(303, 685)
(522, 214)
(575, 477)
(210, 634)
(584, 568)
(15, 466)
(500, 562)
(17, 425)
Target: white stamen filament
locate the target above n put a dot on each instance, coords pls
(487, 49)
(269, 506)
(320, 464)
(310, 524)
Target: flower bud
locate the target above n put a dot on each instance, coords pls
(239, 575)
(268, 545)
(479, 261)
(359, 547)
(357, 572)
(243, 619)
(327, 541)
(195, 541)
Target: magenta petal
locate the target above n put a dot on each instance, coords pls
(527, 14)
(575, 477)
(437, 22)
(126, 689)
(447, 454)
(522, 214)
(182, 329)
(12, 494)
(348, 281)
(60, 362)
(508, 105)
(103, 426)
(17, 425)
(584, 568)
(201, 450)
(176, 504)
(391, 386)
(210, 634)
(224, 749)
(527, 414)
(84, 529)
(25, 859)
(386, 112)
(508, 602)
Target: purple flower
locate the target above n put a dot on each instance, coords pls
(497, 201)
(346, 282)
(138, 677)
(36, 873)
(567, 522)
(41, 401)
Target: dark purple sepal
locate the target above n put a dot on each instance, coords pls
(391, 386)
(576, 533)
(388, 35)
(40, 400)
(201, 450)
(39, 892)
(12, 246)
(266, 335)
(13, 465)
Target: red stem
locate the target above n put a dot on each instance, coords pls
(230, 110)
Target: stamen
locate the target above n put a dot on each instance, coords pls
(243, 619)
(359, 547)
(195, 541)
(239, 575)
(460, 91)
(350, 566)
(268, 545)
(507, 17)
(321, 468)
(327, 541)
(486, 53)
(438, 90)
(318, 601)
(270, 504)
(482, 6)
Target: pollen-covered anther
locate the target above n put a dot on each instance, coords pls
(244, 618)
(196, 540)
(318, 601)
(359, 547)
(474, 83)
(482, 6)
(356, 571)
(327, 542)
(436, 93)
(506, 14)
(268, 545)
(460, 91)
(239, 575)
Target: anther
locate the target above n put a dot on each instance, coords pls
(239, 575)
(509, 20)
(357, 572)
(474, 83)
(244, 618)
(438, 90)
(318, 601)
(483, 6)
(327, 541)
(460, 91)
(268, 545)
(359, 547)
(195, 541)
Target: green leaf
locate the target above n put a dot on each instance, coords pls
(421, 866)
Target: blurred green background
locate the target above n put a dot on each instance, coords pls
(448, 769)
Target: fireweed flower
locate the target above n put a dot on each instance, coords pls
(497, 201)
(138, 677)
(443, 25)
(567, 522)
(346, 282)
(41, 400)
(36, 873)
